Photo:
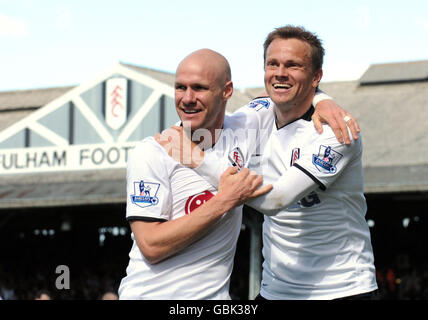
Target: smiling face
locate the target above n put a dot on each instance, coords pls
(289, 79)
(202, 88)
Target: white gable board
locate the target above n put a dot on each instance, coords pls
(93, 126)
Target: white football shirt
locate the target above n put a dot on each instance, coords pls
(161, 189)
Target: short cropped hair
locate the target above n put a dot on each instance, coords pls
(300, 33)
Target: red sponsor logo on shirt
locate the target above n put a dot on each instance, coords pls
(195, 201)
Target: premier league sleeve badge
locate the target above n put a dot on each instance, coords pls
(259, 104)
(326, 160)
(145, 194)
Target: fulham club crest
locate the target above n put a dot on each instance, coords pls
(236, 158)
(295, 155)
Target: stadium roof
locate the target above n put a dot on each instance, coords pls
(395, 72)
(393, 117)
(67, 188)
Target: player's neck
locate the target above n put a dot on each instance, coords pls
(284, 117)
(205, 138)
(289, 112)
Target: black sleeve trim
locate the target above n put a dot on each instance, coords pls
(321, 185)
(147, 219)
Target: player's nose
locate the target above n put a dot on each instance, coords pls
(189, 96)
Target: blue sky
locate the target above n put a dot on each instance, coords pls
(47, 43)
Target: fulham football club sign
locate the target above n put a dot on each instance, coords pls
(92, 126)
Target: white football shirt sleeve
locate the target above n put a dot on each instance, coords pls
(325, 158)
(320, 164)
(148, 186)
(320, 96)
(292, 186)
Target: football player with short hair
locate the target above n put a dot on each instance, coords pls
(184, 231)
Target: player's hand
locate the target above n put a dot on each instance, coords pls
(180, 147)
(327, 111)
(237, 187)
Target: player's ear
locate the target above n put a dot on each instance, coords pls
(317, 78)
(228, 90)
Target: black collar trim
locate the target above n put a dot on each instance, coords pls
(307, 117)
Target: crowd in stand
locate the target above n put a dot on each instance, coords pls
(31, 266)
(91, 283)
(86, 284)
(408, 284)
(27, 269)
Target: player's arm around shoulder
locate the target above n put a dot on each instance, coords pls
(329, 136)
(159, 240)
(248, 125)
(257, 113)
(328, 111)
